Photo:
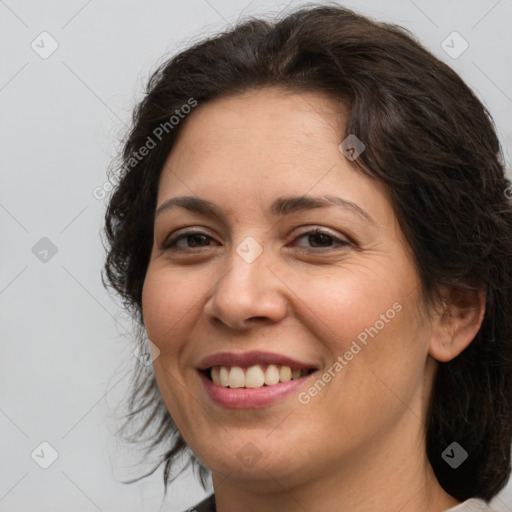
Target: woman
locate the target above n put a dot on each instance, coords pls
(311, 226)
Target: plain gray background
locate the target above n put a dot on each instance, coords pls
(65, 354)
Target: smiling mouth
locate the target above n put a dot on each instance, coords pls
(255, 376)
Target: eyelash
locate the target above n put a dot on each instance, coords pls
(171, 244)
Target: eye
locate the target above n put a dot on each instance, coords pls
(321, 239)
(317, 237)
(191, 238)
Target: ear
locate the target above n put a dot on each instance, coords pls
(457, 325)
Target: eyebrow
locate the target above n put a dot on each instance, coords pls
(281, 207)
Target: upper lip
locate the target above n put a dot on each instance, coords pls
(246, 359)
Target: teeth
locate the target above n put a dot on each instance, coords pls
(272, 375)
(285, 374)
(216, 375)
(236, 377)
(254, 376)
(224, 376)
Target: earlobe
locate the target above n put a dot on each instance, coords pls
(457, 324)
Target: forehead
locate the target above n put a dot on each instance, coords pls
(263, 143)
(259, 122)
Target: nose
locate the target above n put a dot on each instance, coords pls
(247, 293)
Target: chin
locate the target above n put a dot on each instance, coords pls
(259, 467)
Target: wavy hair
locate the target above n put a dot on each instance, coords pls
(428, 139)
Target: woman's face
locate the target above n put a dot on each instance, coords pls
(252, 293)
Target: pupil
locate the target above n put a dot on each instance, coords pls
(193, 238)
(316, 236)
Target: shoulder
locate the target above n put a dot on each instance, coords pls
(207, 505)
(472, 505)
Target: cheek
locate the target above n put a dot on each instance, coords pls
(372, 325)
(166, 304)
(168, 312)
(348, 305)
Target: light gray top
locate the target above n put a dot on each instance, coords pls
(472, 505)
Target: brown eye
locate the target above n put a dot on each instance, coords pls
(321, 239)
(192, 239)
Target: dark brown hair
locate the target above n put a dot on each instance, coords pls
(428, 139)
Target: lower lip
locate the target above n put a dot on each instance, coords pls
(247, 398)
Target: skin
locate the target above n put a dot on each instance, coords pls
(359, 444)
